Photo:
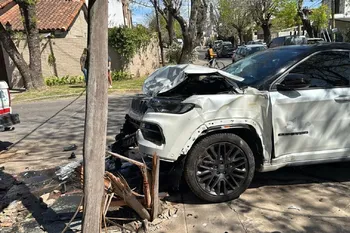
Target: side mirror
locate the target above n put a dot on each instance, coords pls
(294, 81)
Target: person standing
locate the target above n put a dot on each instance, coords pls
(211, 55)
(109, 72)
(84, 63)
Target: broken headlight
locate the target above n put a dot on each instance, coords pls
(174, 106)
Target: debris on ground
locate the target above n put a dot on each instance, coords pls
(70, 148)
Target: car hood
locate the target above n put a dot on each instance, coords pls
(168, 77)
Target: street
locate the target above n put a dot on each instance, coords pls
(300, 199)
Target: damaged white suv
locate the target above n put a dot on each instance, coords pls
(282, 107)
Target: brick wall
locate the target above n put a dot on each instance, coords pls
(67, 52)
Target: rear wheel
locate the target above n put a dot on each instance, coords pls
(220, 167)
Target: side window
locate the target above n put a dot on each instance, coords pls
(326, 69)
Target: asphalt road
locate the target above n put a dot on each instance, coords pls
(202, 60)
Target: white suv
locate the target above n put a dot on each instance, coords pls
(286, 106)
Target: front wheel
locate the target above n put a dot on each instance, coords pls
(220, 167)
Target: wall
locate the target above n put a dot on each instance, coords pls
(115, 13)
(143, 63)
(67, 52)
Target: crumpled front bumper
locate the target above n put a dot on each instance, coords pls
(8, 120)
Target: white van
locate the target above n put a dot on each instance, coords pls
(7, 118)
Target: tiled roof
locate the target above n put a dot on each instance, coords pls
(3, 3)
(52, 15)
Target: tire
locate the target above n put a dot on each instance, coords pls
(219, 65)
(215, 178)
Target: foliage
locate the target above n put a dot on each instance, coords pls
(235, 14)
(320, 17)
(287, 15)
(152, 25)
(121, 75)
(174, 53)
(51, 59)
(128, 41)
(56, 81)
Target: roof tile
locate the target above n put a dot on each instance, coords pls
(51, 14)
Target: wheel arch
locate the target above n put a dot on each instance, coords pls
(246, 131)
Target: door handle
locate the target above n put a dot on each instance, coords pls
(344, 98)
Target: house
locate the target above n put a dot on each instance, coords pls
(119, 13)
(63, 28)
(342, 16)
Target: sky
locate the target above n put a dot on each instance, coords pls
(141, 14)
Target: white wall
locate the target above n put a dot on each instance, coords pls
(115, 13)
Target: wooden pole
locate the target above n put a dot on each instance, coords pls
(155, 187)
(95, 116)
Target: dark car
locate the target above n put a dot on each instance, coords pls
(293, 40)
(246, 50)
(225, 50)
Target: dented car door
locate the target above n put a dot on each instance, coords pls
(310, 108)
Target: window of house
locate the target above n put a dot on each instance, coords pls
(326, 69)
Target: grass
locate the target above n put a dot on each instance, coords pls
(132, 85)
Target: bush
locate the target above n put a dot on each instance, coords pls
(128, 41)
(56, 81)
(120, 75)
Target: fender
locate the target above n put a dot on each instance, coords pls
(224, 124)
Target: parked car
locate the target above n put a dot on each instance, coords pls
(293, 40)
(217, 44)
(255, 42)
(225, 49)
(7, 118)
(286, 106)
(246, 50)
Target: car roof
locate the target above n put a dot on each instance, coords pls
(315, 47)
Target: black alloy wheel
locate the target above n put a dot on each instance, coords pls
(220, 167)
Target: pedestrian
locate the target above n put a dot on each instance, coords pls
(84, 63)
(109, 72)
(211, 55)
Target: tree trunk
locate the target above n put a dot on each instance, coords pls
(170, 27)
(16, 57)
(240, 36)
(267, 32)
(188, 32)
(28, 11)
(186, 49)
(159, 32)
(95, 116)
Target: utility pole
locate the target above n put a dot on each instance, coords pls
(95, 116)
(333, 20)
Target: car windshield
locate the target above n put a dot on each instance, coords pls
(258, 67)
(228, 46)
(252, 50)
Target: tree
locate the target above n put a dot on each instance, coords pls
(28, 12)
(236, 14)
(320, 18)
(32, 74)
(287, 16)
(163, 27)
(95, 116)
(304, 16)
(262, 12)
